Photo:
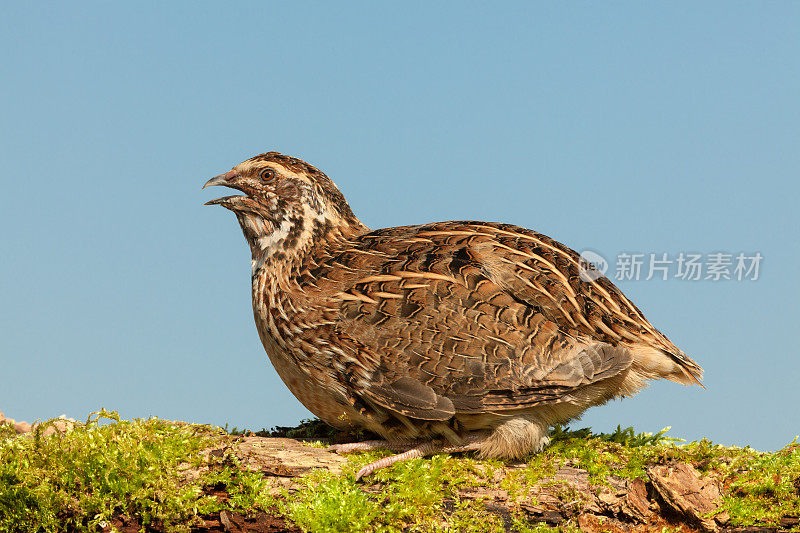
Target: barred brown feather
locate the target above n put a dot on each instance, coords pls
(479, 333)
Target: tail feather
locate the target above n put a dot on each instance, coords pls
(654, 363)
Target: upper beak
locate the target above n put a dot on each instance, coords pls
(222, 179)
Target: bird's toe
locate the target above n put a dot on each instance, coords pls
(364, 446)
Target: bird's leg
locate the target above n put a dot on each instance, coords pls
(470, 443)
(369, 445)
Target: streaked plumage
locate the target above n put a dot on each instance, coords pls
(477, 333)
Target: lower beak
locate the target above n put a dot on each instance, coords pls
(225, 181)
(218, 201)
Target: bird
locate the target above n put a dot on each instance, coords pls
(443, 337)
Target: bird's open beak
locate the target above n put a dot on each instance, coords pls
(224, 180)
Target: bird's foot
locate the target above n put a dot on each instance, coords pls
(426, 448)
(369, 445)
(422, 450)
(365, 446)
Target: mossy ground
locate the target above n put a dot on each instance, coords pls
(106, 468)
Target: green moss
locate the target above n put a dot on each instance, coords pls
(315, 444)
(329, 504)
(622, 453)
(415, 490)
(469, 516)
(415, 495)
(108, 467)
(84, 477)
(245, 490)
(763, 487)
(518, 482)
(540, 527)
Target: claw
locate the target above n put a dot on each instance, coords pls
(365, 471)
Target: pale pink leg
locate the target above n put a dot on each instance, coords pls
(369, 445)
(427, 448)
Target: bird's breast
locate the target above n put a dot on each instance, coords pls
(293, 335)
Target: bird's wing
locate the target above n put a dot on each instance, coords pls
(468, 317)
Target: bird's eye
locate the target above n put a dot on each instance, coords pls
(268, 174)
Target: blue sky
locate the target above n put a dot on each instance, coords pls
(624, 128)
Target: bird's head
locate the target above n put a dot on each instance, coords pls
(287, 205)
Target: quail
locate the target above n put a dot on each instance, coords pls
(442, 337)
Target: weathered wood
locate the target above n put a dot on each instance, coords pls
(687, 493)
(674, 495)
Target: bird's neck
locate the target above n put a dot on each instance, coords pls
(287, 243)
